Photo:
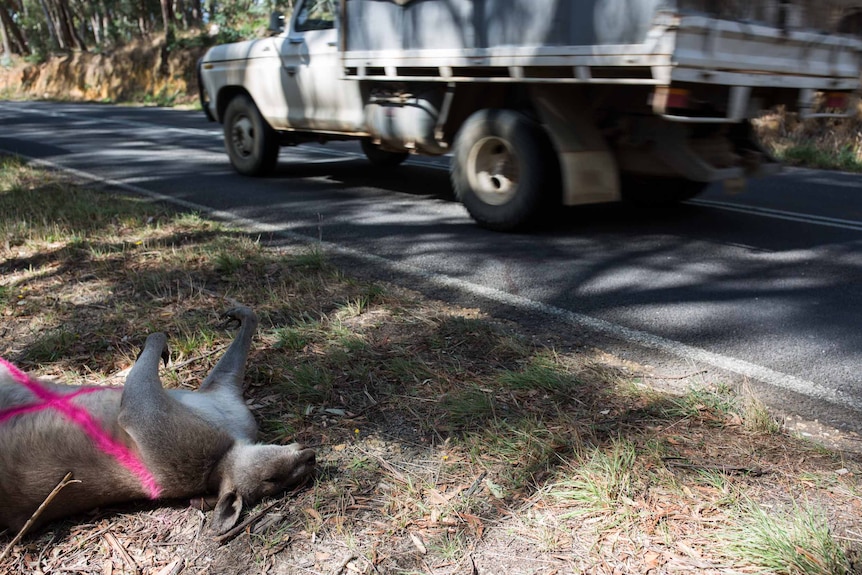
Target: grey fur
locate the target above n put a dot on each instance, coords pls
(194, 443)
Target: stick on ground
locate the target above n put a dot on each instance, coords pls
(63, 483)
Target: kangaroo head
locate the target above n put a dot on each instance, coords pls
(252, 472)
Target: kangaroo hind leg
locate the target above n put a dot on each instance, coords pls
(143, 392)
(229, 372)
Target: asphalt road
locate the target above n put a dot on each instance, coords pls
(761, 286)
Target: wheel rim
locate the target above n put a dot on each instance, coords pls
(242, 136)
(493, 170)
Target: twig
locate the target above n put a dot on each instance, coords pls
(177, 366)
(677, 462)
(670, 378)
(386, 465)
(228, 535)
(473, 488)
(172, 568)
(115, 544)
(278, 548)
(343, 563)
(63, 483)
(370, 562)
(211, 293)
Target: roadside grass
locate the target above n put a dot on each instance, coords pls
(449, 441)
(821, 143)
(786, 541)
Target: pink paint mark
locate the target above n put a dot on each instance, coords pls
(80, 417)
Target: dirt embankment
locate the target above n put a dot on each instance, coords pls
(144, 70)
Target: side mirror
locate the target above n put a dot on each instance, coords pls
(276, 22)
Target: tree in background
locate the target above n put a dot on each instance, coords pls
(38, 28)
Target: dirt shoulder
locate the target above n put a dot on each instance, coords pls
(143, 72)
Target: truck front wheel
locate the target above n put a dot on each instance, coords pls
(500, 170)
(251, 143)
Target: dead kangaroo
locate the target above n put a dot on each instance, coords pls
(139, 441)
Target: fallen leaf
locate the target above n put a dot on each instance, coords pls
(171, 568)
(418, 543)
(435, 497)
(474, 522)
(314, 514)
(651, 559)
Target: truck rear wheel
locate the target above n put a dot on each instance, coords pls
(500, 170)
(380, 157)
(251, 143)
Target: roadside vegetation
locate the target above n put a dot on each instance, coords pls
(830, 144)
(448, 441)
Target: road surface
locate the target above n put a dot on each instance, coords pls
(764, 286)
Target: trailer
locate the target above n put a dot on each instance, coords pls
(539, 102)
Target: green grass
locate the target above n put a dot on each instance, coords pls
(797, 541)
(35, 210)
(706, 403)
(541, 373)
(469, 407)
(307, 384)
(810, 155)
(52, 345)
(601, 481)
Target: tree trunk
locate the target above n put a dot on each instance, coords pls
(180, 8)
(96, 25)
(197, 13)
(64, 25)
(56, 42)
(69, 17)
(167, 18)
(13, 34)
(142, 18)
(4, 37)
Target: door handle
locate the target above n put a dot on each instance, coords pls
(291, 70)
(294, 40)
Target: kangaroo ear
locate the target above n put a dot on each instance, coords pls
(227, 511)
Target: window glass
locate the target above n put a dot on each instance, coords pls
(316, 15)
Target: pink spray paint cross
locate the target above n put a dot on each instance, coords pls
(79, 416)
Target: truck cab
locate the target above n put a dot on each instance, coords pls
(309, 93)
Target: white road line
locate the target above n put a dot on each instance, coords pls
(831, 182)
(781, 214)
(648, 340)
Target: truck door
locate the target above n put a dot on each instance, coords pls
(317, 97)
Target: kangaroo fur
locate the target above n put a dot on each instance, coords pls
(192, 443)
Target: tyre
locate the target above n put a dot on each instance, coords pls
(251, 143)
(504, 170)
(380, 157)
(657, 192)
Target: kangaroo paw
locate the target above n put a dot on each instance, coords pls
(235, 316)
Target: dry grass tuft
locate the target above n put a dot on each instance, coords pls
(834, 144)
(448, 442)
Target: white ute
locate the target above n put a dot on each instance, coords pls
(540, 102)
